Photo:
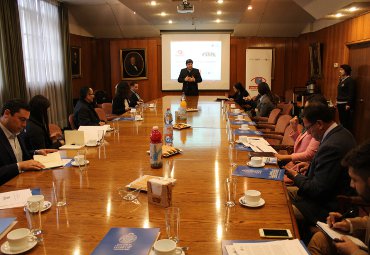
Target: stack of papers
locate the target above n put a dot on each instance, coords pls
(283, 247)
(14, 199)
(257, 144)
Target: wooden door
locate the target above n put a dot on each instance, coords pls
(359, 60)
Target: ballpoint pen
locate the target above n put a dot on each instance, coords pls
(345, 215)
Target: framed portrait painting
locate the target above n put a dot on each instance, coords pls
(76, 62)
(315, 60)
(133, 64)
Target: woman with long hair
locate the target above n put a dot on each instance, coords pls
(121, 100)
(37, 134)
(266, 102)
(240, 93)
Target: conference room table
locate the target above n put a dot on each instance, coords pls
(94, 204)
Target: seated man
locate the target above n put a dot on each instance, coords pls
(135, 98)
(359, 170)
(14, 157)
(315, 193)
(84, 113)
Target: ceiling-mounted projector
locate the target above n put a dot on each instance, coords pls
(185, 7)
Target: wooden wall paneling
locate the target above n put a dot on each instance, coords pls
(366, 33)
(102, 66)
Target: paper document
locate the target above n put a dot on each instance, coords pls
(51, 160)
(13, 199)
(332, 233)
(284, 247)
(257, 144)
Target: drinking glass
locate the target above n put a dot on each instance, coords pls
(59, 190)
(33, 214)
(81, 159)
(172, 216)
(230, 191)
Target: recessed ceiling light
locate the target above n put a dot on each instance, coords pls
(250, 7)
(134, 12)
(219, 12)
(218, 20)
(163, 14)
(353, 9)
(170, 21)
(153, 3)
(220, 1)
(338, 15)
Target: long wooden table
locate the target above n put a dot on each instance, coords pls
(94, 206)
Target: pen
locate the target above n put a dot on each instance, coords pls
(345, 215)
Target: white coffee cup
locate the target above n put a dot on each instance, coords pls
(133, 110)
(92, 142)
(232, 106)
(34, 201)
(151, 105)
(240, 117)
(252, 196)
(244, 126)
(236, 111)
(166, 247)
(19, 238)
(256, 161)
(79, 159)
(137, 117)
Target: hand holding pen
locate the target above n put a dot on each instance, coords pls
(337, 220)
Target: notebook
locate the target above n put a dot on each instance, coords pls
(74, 140)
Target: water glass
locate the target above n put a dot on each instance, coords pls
(115, 124)
(59, 190)
(172, 216)
(33, 214)
(80, 159)
(230, 191)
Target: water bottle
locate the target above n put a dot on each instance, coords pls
(168, 128)
(155, 148)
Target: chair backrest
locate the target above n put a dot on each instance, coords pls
(286, 109)
(71, 121)
(107, 107)
(101, 114)
(54, 128)
(274, 116)
(288, 95)
(282, 123)
(287, 139)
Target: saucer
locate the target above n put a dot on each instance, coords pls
(73, 163)
(91, 144)
(47, 205)
(244, 129)
(260, 165)
(152, 252)
(110, 129)
(139, 119)
(6, 249)
(260, 203)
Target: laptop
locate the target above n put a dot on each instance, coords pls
(74, 140)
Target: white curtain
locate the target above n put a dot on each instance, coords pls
(43, 58)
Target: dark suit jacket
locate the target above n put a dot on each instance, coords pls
(118, 105)
(346, 91)
(326, 178)
(238, 97)
(36, 137)
(85, 115)
(133, 100)
(8, 162)
(190, 88)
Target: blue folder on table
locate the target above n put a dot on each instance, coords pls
(242, 147)
(240, 122)
(125, 118)
(247, 132)
(275, 174)
(127, 241)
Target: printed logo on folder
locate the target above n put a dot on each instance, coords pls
(127, 241)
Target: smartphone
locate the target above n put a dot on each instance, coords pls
(275, 233)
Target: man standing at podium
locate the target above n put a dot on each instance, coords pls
(190, 77)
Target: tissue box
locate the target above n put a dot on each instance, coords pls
(160, 192)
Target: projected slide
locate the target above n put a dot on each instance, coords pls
(206, 56)
(209, 52)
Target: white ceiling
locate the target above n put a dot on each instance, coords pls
(268, 18)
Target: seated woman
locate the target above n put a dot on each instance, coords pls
(266, 101)
(84, 113)
(121, 101)
(240, 93)
(37, 134)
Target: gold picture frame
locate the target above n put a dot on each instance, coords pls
(133, 64)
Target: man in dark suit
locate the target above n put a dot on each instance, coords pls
(135, 98)
(326, 178)
(14, 157)
(190, 77)
(84, 113)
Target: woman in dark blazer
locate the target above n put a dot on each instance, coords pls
(121, 101)
(37, 134)
(240, 93)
